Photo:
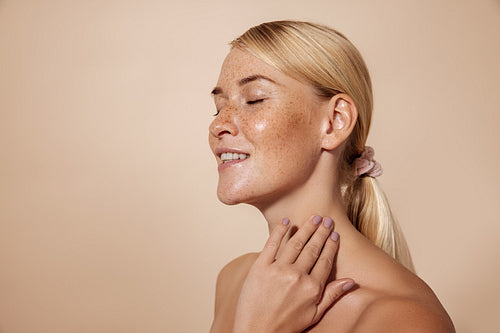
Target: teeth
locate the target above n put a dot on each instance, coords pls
(226, 157)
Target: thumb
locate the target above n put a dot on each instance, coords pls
(333, 291)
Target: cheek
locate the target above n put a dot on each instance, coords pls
(285, 142)
(284, 132)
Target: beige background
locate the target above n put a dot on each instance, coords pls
(108, 216)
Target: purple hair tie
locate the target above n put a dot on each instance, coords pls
(366, 165)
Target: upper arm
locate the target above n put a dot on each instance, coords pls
(224, 290)
(397, 314)
(230, 277)
(221, 285)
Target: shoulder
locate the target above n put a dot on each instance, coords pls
(237, 267)
(402, 314)
(229, 283)
(232, 275)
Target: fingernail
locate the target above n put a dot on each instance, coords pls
(347, 286)
(335, 236)
(328, 222)
(285, 221)
(317, 219)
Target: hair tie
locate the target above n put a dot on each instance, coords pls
(366, 165)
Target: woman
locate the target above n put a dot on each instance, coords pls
(294, 104)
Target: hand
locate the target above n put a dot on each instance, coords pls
(288, 294)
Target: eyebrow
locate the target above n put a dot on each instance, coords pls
(248, 79)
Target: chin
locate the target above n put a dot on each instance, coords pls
(244, 195)
(230, 198)
(233, 194)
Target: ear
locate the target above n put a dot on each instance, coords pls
(339, 121)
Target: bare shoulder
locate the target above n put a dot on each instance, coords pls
(392, 300)
(231, 277)
(229, 283)
(237, 267)
(404, 303)
(403, 314)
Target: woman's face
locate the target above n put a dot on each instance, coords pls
(266, 134)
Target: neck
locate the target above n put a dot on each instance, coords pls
(301, 204)
(319, 197)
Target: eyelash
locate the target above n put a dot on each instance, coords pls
(249, 103)
(255, 101)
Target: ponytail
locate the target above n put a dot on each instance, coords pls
(369, 211)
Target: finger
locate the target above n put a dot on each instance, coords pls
(333, 291)
(297, 242)
(323, 267)
(314, 247)
(273, 243)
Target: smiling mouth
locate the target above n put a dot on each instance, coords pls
(228, 157)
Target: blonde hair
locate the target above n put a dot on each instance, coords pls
(328, 61)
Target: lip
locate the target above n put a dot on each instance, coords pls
(220, 150)
(229, 164)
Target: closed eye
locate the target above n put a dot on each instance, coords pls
(248, 102)
(255, 101)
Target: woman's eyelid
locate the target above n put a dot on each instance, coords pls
(256, 97)
(250, 97)
(255, 101)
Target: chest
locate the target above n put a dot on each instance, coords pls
(338, 319)
(341, 317)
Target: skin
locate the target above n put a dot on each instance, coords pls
(279, 126)
(294, 139)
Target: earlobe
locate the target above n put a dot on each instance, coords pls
(341, 119)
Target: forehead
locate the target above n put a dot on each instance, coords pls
(241, 63)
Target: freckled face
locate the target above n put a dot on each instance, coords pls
(270, 118)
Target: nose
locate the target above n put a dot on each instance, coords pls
(223, 124)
